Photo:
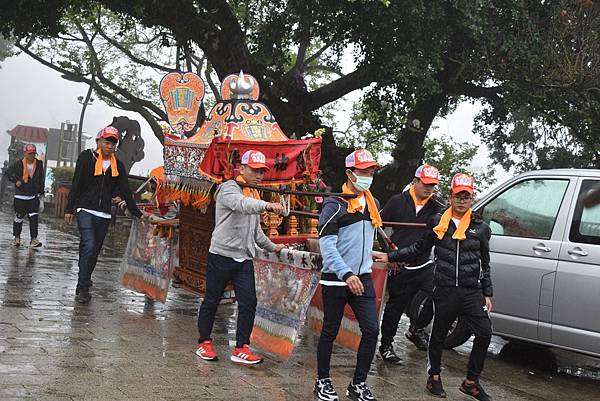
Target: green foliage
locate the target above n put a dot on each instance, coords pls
(529, 144)
(455, 157)
(6, 48)
(415, 60)
(61, 175)
(549, 115)
(362, 131)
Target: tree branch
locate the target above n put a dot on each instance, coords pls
(211, 83)
(102, 78)
(359, 78)
(68, 75)
(318, 53)
(301, 55)
(316, 68)
(129, 54)
(216, 31)
(474, 91)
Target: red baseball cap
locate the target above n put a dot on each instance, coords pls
(463, 182)
(361, 159)
(29, 148)
(255, 159)
(108, 133)
(428, 174)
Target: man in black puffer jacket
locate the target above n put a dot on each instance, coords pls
(463, 284)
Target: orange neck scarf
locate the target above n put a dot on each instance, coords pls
(413, 195)
(98, 170)
(355, 206)
(459, 234)
(25, 176)
(249, 192)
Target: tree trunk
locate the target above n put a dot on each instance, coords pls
(408, 151)
(332, 161)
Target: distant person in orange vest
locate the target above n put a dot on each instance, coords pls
(28, 176)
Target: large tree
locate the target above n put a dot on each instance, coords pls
(550, 114)
(414, 59)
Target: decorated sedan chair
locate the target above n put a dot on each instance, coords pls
(194, 165)
(195, 161)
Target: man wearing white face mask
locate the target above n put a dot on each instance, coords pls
(346, 233)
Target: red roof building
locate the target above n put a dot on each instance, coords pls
(26, 133)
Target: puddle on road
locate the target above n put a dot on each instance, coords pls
(533, 357)
(574, 364)
(542, 359)
(588, 372)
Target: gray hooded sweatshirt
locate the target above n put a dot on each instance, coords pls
(237, 230)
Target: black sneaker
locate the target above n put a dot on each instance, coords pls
(83, 296)
(435, 388)
(474, 390)
(418, 338)
(359, 392)
(389, 356)
(324, 390)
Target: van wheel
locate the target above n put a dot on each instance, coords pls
(459, 332)
(458, 335)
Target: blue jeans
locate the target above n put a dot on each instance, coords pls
(92, 230)
(219, 271)
(335, 299)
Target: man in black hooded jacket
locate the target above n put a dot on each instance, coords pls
(98, 177)
(463, 284)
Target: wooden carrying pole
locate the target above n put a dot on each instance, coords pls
(385, 223)
(283, 191)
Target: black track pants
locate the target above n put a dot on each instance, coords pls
(450, 302)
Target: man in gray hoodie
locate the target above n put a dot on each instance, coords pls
(233, 245)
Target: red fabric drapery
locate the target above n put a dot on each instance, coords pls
(288, 160)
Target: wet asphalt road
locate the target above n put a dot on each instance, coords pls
(122, 346)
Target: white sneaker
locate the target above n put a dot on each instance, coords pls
(324, 390)
(359, 392)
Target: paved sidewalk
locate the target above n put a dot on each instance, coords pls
(123, 347)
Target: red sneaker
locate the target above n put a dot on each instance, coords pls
(245, 356)
(205, 351)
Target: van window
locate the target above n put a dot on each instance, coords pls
(585, 227)
(527, 209)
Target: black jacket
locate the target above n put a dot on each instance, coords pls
(96, 192)
(34, 186)
(463, 263)
(401, 208)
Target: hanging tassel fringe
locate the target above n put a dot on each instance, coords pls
(188, 191)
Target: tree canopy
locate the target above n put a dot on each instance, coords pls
(414, 60)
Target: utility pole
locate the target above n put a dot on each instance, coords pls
(60, 143)
(84, 102)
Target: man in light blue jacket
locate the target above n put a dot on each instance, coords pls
(233, 245)
(346, 233)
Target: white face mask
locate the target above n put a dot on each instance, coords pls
(362, 183)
